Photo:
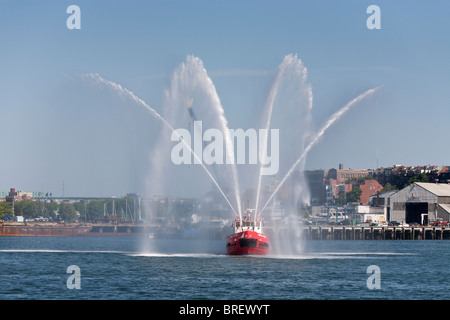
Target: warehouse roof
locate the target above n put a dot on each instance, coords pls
(438, 189)
(446, 207)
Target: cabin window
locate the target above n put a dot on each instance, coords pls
(248, 223)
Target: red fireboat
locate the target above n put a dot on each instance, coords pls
(248, 237)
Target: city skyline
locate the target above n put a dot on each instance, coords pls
(56, 128)
(346, 176)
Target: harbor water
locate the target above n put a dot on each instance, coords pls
(134, 268)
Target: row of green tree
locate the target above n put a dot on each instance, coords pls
(124, 208)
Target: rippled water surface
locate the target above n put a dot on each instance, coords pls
(136, 268)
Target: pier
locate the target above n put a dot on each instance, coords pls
(121, 229)
(375, 233)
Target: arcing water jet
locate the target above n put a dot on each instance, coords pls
(291, 75)
(127, 93)
(190, 79)
(316, 139)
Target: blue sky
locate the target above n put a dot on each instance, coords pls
(54, 129)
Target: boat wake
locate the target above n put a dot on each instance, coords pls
(303, 256)
(60, 251)
(178, 255)
(127, 253)
(336, 255)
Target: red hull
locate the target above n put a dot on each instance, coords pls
(247, 242)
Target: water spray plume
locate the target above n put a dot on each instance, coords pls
(191, 76)
(316, 139)
(127, 93)
(269, 107)
(293, 65)
(191, 79)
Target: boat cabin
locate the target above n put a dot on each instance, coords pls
(247, 225)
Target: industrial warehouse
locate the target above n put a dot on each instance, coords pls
(421, 203)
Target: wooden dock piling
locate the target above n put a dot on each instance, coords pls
(375, 233)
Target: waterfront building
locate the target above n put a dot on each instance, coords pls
(15, 196)
(369, 188)
(370, 214)
(334, 188)
(325, 185)
(343, 176)
(398, 175)
(383, 202)
(421, 203)
(316, 183)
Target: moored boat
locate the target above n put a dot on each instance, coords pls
(20, 229)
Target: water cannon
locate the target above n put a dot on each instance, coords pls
(191, 112)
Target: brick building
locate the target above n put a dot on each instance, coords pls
(369, 188)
